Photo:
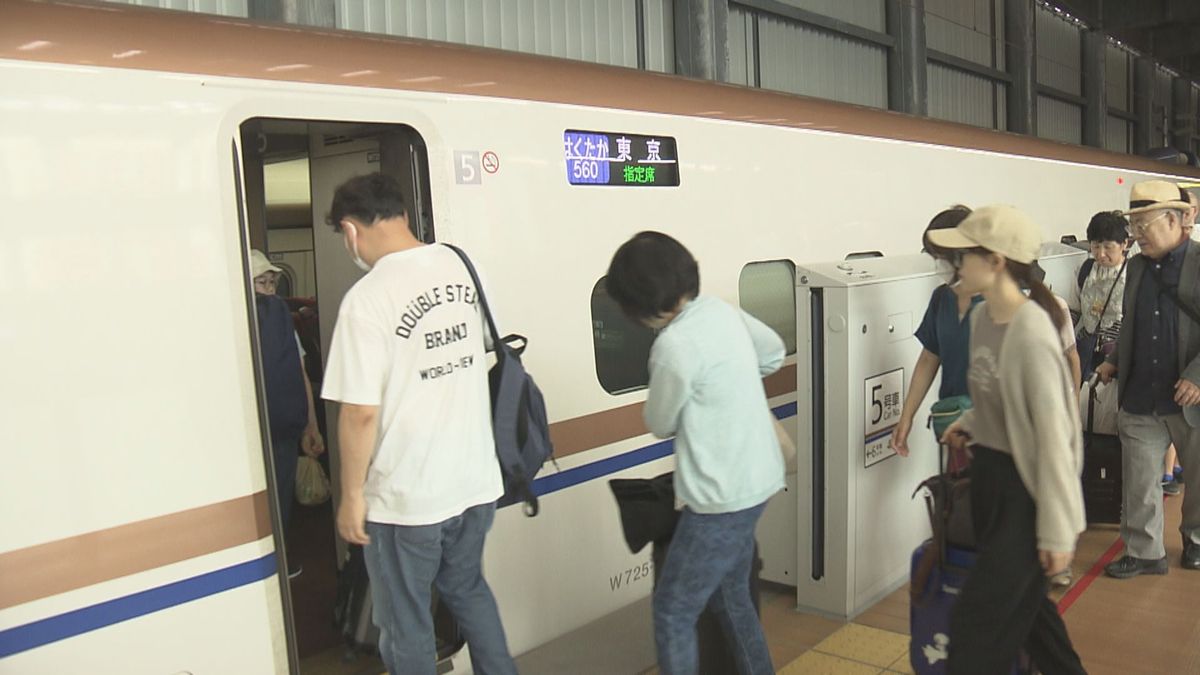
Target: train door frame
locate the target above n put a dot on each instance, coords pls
(404, 139)
(263, 423)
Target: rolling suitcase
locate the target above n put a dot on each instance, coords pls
(932, 603)
(1101, 469)
(352, 613)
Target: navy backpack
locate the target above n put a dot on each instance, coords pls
(519, 421)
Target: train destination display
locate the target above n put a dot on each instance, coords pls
(625, 160)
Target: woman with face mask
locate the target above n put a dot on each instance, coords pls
(943, 334)
(1027, 451)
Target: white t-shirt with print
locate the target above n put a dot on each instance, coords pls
(409, 339)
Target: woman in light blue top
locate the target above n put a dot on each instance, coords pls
(706, 368)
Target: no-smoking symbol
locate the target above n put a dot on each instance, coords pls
(491, 162)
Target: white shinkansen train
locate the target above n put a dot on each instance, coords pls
(139, 531)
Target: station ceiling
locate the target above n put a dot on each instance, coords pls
(1168, 30)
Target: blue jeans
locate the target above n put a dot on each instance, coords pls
(708, 565)
(405, 562)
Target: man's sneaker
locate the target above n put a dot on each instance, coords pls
(1190, 560)
(1170, 487)
(1129, 566)
(294, 570)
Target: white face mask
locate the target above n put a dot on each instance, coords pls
(946, 272)
(351, 242)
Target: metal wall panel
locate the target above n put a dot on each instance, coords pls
(1058, 53)
(961, 28)
(660, 35)
(1059, 121)
(1116, 134)
(1163, 106)
(802, 60)
(237, 8)
(1117, 77)
(599, 31)
(741, 46)
(961, 97)
(1001, 106)
(866, 13)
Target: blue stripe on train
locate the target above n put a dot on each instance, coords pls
(63, 626)
(77, 622)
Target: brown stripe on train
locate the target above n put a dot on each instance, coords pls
(618, 424)
(121, 36)
(44, 570)
(49, 569)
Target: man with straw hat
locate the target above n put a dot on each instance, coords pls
(1157, 362)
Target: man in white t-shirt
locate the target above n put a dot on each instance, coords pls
(419, 473)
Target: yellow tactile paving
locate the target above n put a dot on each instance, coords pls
(879, 648)
(816, 663)
(902, 665)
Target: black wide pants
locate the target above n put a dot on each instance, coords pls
(1003, 605)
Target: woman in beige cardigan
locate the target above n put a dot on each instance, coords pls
(1024, 434)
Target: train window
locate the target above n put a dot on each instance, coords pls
(284, 284)
(622, 346)
(767, 291)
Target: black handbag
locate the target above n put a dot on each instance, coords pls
(948, 503)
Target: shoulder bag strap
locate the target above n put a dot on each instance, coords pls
(1174, 296)
(1108, 299)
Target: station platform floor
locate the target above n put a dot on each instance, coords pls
(1146, 625)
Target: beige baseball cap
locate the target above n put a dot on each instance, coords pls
(1151, 195)
(259, 265)
(999, 229)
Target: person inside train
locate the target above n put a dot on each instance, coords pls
(291, 413)
(1157, 363)
(943, 335)
(1096, 297)
(706, 368)
(419, 474)
(1024, 433)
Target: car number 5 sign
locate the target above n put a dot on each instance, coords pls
(884, 398)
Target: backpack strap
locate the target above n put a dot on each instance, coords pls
(1084, 270)
(487, 312)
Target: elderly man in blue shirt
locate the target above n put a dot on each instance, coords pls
(1157, 362)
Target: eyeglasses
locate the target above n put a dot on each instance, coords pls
(955, 256)
(1134, 229)
(266, 282)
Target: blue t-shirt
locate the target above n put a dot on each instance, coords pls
(948, 338)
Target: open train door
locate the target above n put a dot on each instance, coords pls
(275, 593)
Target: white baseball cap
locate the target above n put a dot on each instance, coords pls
(259, 265)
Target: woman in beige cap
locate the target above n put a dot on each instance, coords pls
(1024, 433)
